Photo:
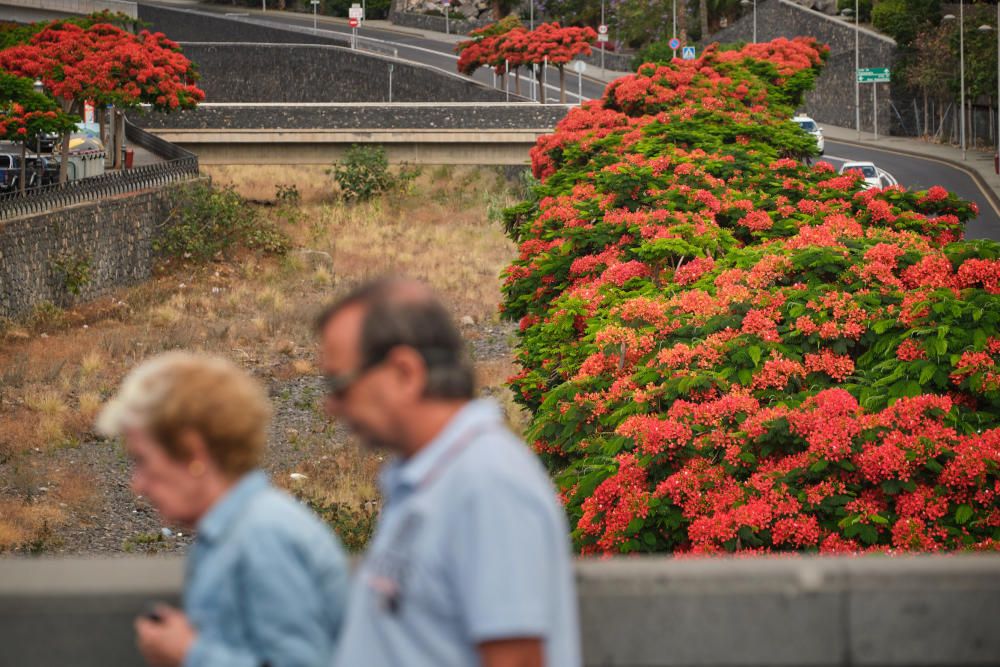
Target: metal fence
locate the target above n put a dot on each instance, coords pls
(179, 165)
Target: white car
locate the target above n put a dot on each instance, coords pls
(810, 126)
(874, 177)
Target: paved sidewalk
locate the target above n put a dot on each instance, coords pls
(978, 163)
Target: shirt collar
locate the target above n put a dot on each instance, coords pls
(225, 511)
(406, 474)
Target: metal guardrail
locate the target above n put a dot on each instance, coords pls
(179, 165)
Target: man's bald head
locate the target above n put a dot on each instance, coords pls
(399, 312)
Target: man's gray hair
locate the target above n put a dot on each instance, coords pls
(406, 313)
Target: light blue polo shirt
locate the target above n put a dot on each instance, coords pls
(471, 546)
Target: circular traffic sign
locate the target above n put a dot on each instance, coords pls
(579, 66)
(603, 29)
(675, 43)
(353, 22)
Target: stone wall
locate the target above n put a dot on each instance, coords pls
(832, 100)
(634, 612)
(437, 23)
(615, 62)
(110, 241)
(295, 73)
(343, 116)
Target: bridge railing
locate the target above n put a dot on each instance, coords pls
(179, 165)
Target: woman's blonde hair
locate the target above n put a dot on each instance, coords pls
(180, 391)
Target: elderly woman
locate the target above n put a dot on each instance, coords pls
(266, 580)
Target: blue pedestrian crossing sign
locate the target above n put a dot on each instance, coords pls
(687, 53)
(675, 43)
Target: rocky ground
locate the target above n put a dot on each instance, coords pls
(119, 523)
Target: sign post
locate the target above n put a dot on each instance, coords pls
(506, 78)
(874, 76)
(315, 4)
(674, 45)
(602, 37)
(353, 22)
(447, 16)
(579, 67)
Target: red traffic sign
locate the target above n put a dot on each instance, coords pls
(353, 22)
(602, 29)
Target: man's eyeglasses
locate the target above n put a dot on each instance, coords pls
(338, 385)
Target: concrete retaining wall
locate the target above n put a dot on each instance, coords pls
(108, 241)
(655, 612)
(251, 72)
(832, 101)
(73, 7)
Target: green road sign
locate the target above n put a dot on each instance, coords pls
(873, 75)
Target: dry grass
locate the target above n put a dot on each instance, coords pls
(59, 366)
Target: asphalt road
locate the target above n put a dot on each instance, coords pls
(916, 173)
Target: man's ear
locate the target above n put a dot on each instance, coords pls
(411, 371)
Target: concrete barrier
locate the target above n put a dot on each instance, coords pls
(644, 612)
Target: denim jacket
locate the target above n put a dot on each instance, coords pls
(266, 582)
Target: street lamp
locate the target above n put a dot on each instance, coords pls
(39, 86)
(961, 67)
(747, 3)
(857, 66)
(987, 28)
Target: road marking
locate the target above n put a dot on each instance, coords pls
(991, 198)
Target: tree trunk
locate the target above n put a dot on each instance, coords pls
(24, 170)
(541, 88)
(120, 142)
(517, 81)
(562, 84)
(703, 16)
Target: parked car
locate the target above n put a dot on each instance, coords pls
(810, 126)
(39, 171)
(873, 176)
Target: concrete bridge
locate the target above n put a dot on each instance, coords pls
(318, 133)
(637, 612)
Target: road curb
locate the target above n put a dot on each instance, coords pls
(980, 181)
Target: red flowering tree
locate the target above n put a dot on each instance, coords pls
(25, 114)
(106, 65)
(558, 46)
(507, 44)
(724, 349)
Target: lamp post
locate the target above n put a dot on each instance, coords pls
(674, 35)
(961, 68)
(988, 28)
(857, 66)
(747, 3)
(531, 15)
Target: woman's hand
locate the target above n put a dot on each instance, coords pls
(164, 642)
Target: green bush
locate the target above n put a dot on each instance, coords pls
(205, 221)
(352, 524)
(364, 173)
(655, 52)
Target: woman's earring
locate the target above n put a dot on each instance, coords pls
(196, 468)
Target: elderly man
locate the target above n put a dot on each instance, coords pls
(470, 563)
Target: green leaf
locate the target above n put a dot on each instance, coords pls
(927, 374)
(963, 514)
(754, 351)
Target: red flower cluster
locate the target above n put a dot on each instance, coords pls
(727, 350)
(106, 65)
(518, 47)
